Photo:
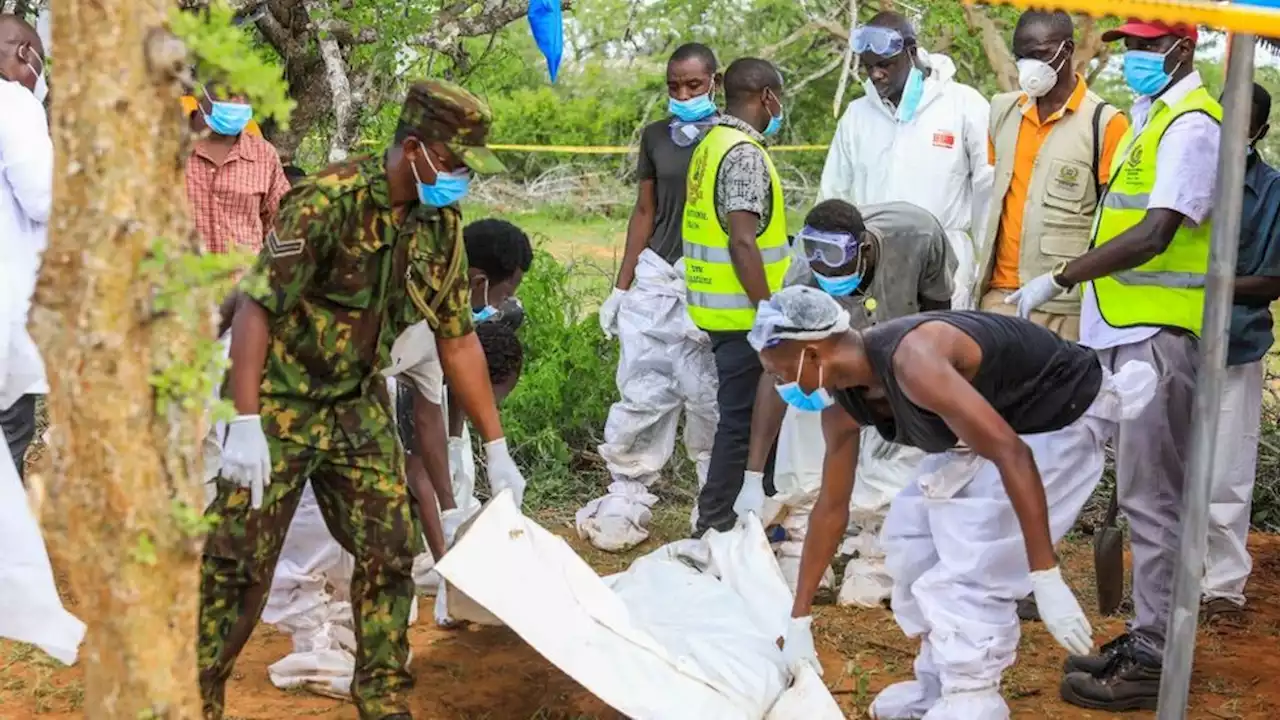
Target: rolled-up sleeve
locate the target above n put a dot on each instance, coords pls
(1187, 167)
(26, 152)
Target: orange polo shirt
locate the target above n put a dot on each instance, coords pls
(1031, 136)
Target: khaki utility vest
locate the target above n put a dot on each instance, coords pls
(1062, 197)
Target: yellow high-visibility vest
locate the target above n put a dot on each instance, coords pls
(717, 299)
(1167, 290)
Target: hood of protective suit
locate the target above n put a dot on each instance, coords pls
(937, 161)
(942, 71)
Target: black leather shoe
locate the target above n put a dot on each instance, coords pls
(1129, 683)
(1098, 663)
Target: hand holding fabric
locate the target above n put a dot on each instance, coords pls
(1034, 294)
(797, 648)
(609, 312)
(1061, 612)
(502, 470)
(246, 458)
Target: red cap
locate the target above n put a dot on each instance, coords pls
(1150, 30)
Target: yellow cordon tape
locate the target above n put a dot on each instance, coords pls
(621, 149)
(1252, 19)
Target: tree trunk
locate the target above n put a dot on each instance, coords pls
(121, 501)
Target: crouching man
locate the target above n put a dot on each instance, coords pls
(975, 530)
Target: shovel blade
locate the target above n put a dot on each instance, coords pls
(1108, 566)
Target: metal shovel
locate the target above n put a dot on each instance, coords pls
(1108, 561)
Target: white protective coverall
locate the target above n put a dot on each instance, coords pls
(959, 562)
(665, 365)
(937, 161)
(30, 609)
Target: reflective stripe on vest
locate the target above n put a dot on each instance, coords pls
(717, 299)
(1167, 290)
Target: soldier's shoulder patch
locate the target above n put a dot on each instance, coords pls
(284, 248)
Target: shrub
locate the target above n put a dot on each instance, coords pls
(555, 416)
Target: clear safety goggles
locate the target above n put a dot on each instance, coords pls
(881, 41)
(833, 249)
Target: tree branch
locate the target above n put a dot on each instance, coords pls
(339, 83)
(823, 71)
(998, 55)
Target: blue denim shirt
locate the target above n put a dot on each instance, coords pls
(1250, 336)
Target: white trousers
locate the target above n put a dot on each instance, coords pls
(884, 470)
(958, 558)
(1228, 564)
(665, 367)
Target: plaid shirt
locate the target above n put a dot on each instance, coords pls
(235, 204)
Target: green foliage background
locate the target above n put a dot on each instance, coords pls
(612, 83)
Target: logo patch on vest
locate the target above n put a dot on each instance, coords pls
(944, 139)
(1135, 157)
(693, 191)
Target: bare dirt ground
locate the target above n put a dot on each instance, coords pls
(478, 674)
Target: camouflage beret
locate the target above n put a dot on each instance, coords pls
(441, 111)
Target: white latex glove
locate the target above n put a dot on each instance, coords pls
(502, 471)
(1034, 294)
(609, 312)
(751, 498)
(797, 647)
(1060, 612)
(246, 459)
(441, 610)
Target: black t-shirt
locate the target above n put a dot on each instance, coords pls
(1037, 381)
(666, 163)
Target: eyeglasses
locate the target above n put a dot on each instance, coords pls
(833, 249)
(881, 41)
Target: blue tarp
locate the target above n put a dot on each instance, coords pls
(547, 24)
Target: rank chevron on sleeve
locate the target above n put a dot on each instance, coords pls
(281, 249)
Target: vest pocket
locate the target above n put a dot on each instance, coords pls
(1066, 236)
(1067, 187)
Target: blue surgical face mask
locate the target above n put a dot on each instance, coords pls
(912, 93)
(840, 286)
(816, 401)
(227, 118)
(448, 188)
(1144, 71)
(693, 109)
(775, 121)
(488, 311)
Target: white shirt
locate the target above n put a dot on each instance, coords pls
(26, 194)
(937, 161)
(415, 356)
(1186, 170)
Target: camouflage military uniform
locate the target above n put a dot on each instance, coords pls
(341, 277)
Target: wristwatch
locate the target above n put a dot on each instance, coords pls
(1056, 273)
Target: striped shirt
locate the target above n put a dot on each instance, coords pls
(234, 204)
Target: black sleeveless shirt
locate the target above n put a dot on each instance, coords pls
(1037, 381)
